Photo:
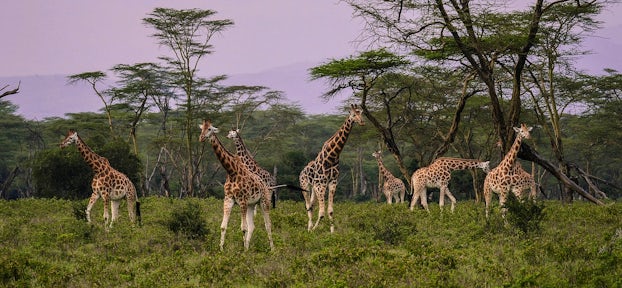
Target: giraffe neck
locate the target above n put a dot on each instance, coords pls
(96, 162)
(510, 158)
(334, 145)
(243, 152)
(385, 173)
(227, 160)
(459, 164)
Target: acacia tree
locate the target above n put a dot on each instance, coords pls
(138, 85)
(187, 34)
(477, 36)
(94, 78)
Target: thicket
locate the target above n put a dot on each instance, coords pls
(375, 245)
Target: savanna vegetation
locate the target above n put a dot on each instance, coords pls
(440, 79)
(47, 243)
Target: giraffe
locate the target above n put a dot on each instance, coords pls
(437, 175)
(241, 186)
(108, 183)
(393, 187)
(501, 178)
(522, 181)
(323, 171)
(252, 165)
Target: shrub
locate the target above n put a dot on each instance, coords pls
(188, 221)
(525, 215)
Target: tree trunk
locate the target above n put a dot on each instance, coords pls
(529, 154)
(7, 184)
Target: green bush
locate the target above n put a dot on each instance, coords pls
(525, 215)
(188, 220)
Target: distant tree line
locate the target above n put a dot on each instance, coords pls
(456, 78)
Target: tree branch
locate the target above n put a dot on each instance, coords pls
(10, 92)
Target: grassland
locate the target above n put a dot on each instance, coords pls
(47, 243)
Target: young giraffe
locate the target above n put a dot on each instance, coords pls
(523, 181)
(393, 187)
(242, 186)
(252, 165)
(437, 175)
(323, 171)
(108, 183)
(502, 177)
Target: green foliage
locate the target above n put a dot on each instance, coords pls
(45, 245)
(525, 215)
(187, 220)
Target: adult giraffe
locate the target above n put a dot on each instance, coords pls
(252, 165)
(108, 183)
(323, 171)
(437, 175)
(501, 178)
(241, 186)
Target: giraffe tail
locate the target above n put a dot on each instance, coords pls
(289, 186)
(138, 217)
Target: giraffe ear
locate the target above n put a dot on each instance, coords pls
(529, 129)
(201, 126)
(516, 129)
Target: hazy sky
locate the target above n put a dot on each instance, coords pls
(75, 36)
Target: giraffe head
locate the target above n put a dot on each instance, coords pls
(377, 154)
(233, 133)
(207, 130)
(523, 131)
(71, 138)
(356, 114)
(485, 166)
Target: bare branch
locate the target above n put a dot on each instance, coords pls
(10, 92)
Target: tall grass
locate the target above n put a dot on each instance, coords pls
(46, 243)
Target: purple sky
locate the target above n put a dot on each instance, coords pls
(71, 36)
(64, 37)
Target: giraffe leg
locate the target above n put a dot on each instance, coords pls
(114, 209)
(319, 191)
(309, 206)
(441, 198)
(387, 194)
(423, 192)
(451, 198)
(227, 205)
(332, 188)
(265, 208)
(131, 208)
(487, 197)
(106, 210)
(502, 197)
(402, 194)
(244, 225)
(92, 202)
(416, 195)
(250, 225)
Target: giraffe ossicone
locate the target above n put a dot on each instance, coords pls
(393, 187)
(241, 186)
(108, 183)
(323, 172)
(437, 175)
